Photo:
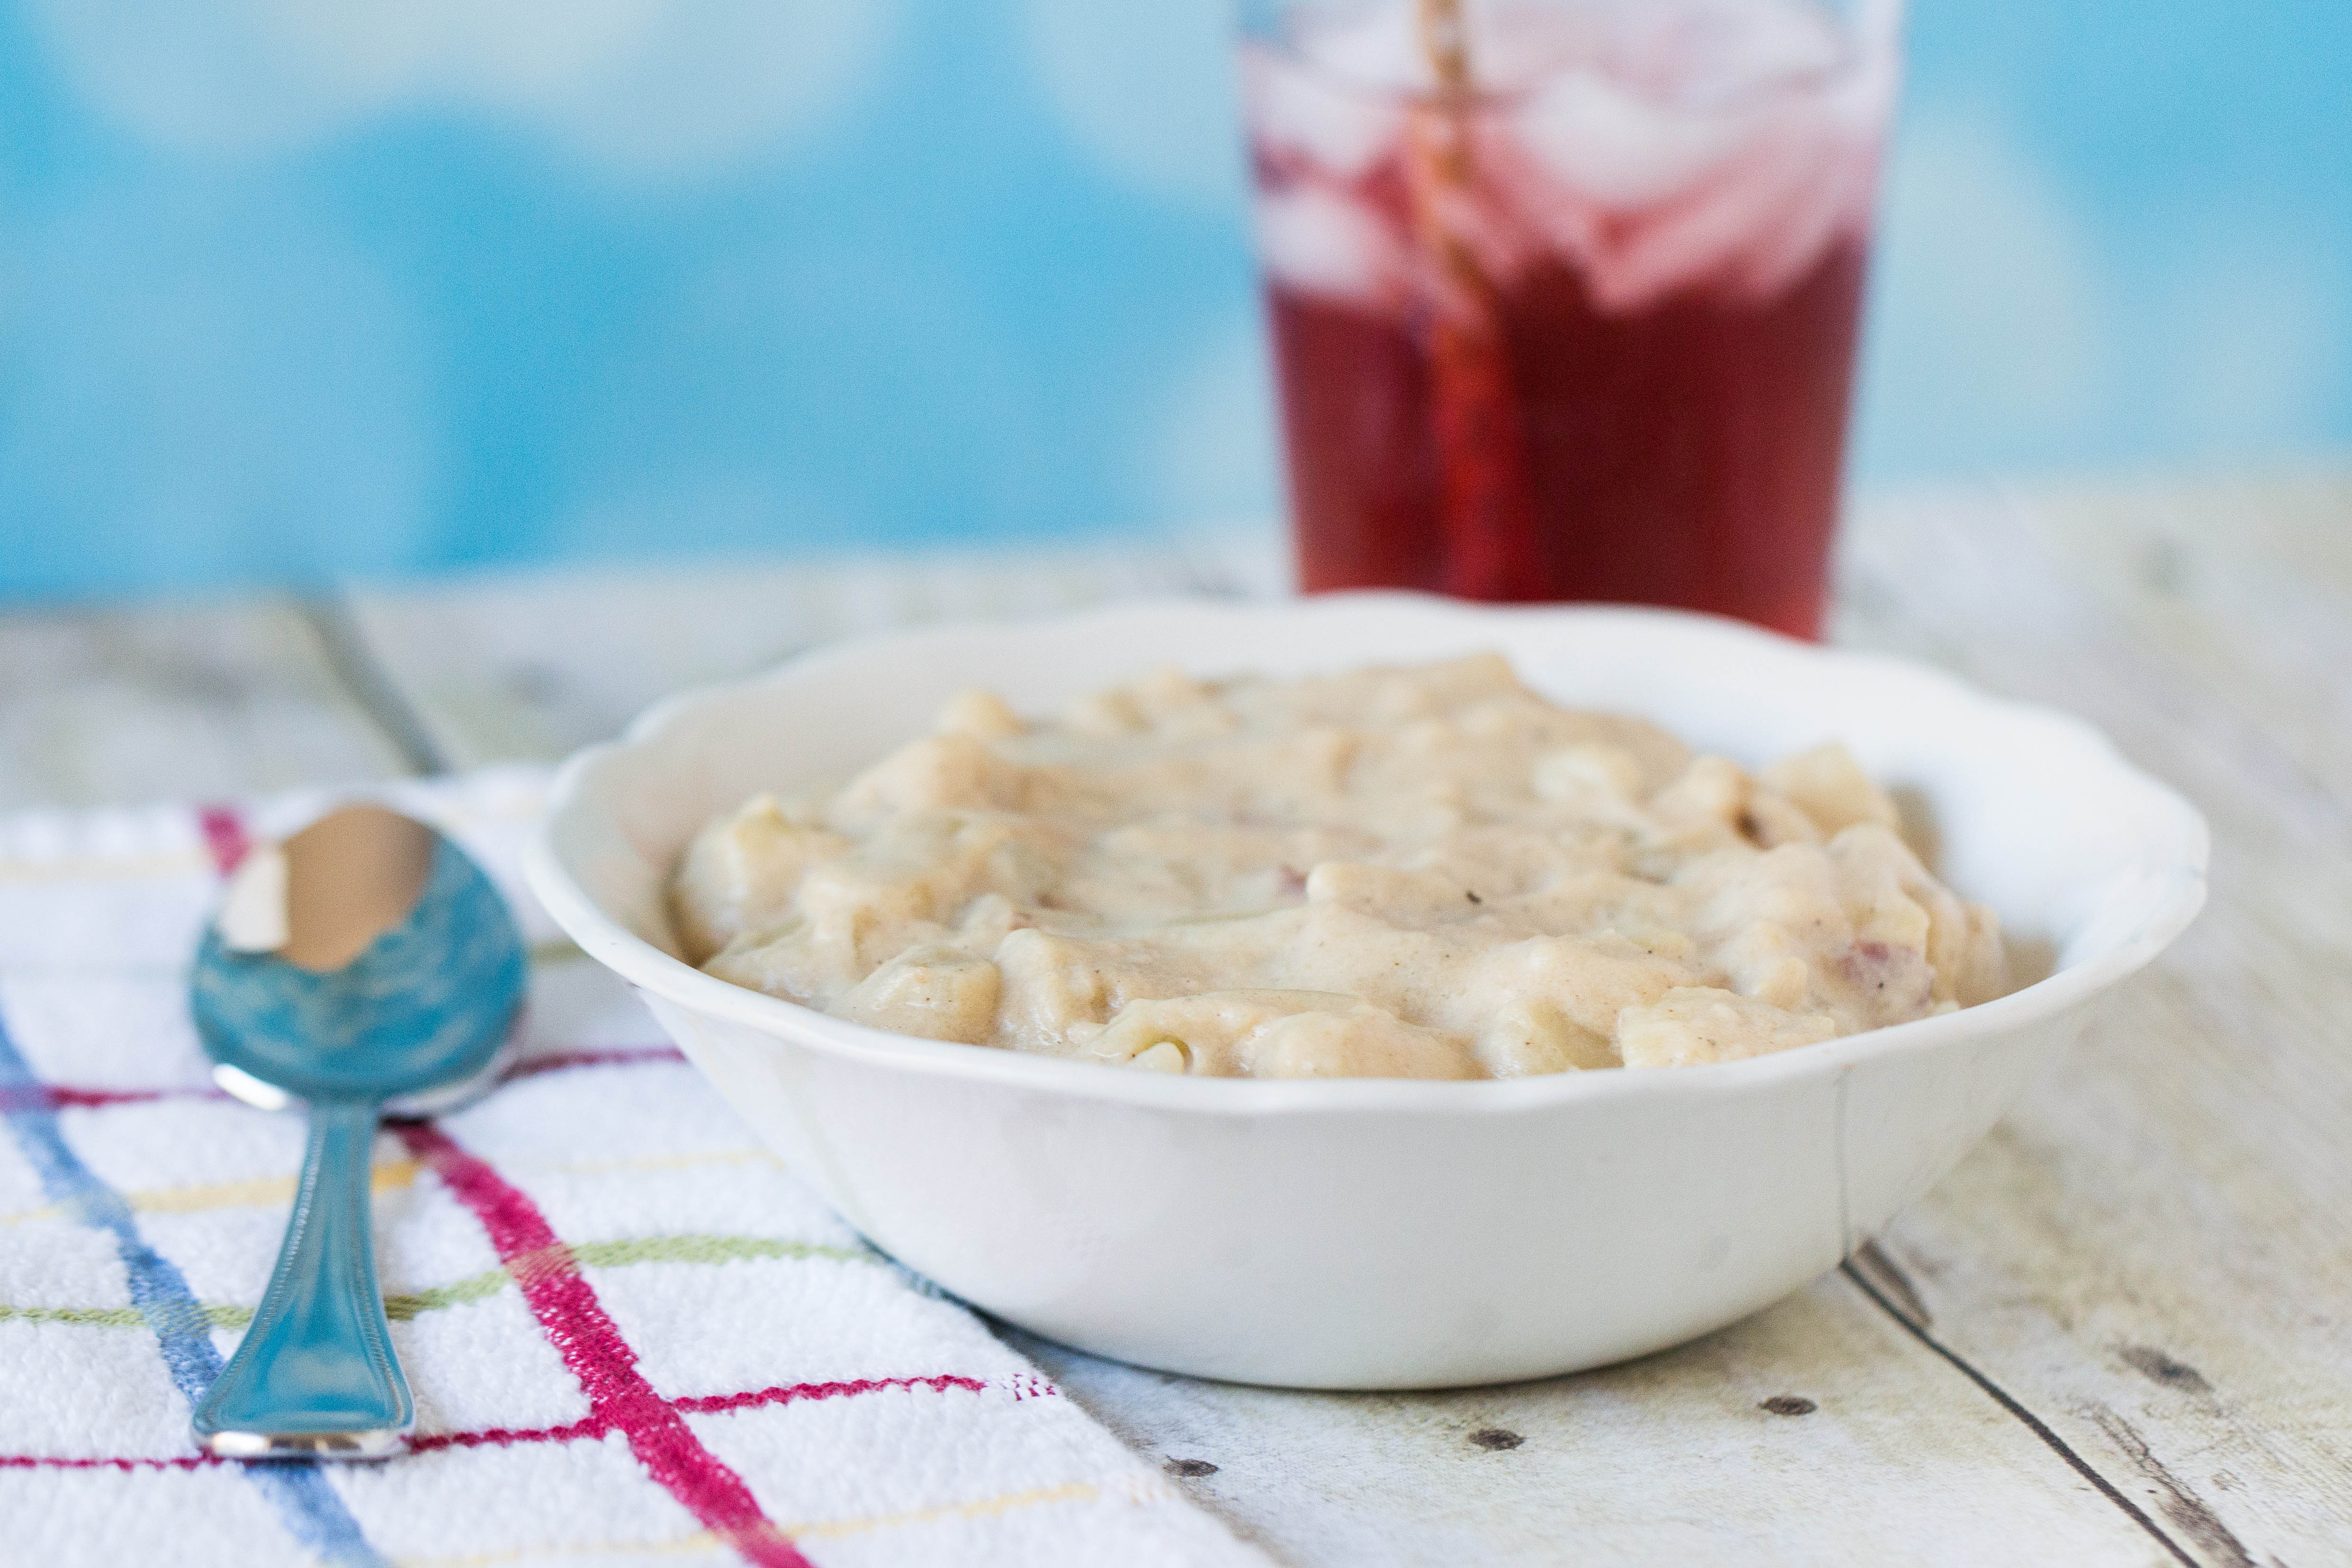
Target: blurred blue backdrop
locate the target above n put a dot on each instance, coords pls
(298, 289)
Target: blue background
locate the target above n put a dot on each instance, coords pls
(294, 289)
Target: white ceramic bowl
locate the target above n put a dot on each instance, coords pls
(1386, 1233)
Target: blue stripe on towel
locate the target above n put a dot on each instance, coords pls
(310, 1509)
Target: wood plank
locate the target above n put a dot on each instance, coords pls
(172, 701)
(1673, 1459)
(529, 667)
(2154, 1253)
(2244, 590)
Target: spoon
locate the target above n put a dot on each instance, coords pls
(364, 959)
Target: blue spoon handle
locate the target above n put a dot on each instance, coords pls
(315, 1376)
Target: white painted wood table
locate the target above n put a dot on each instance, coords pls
(2120, 1332)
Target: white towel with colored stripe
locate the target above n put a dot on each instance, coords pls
(632, 1337)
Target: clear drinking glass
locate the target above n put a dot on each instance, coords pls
(1564, 293)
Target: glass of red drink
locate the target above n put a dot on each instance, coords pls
(1564, 293)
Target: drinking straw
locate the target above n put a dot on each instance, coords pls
(1486, 508)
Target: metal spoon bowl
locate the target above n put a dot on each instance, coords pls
(365, 961)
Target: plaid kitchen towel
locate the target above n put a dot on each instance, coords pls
(632, 1337)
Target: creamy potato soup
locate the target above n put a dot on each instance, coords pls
(1423, 872)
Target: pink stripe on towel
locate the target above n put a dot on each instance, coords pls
(592, 1347)
(226, 839)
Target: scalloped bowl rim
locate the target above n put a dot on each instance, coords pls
(2184, 858)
